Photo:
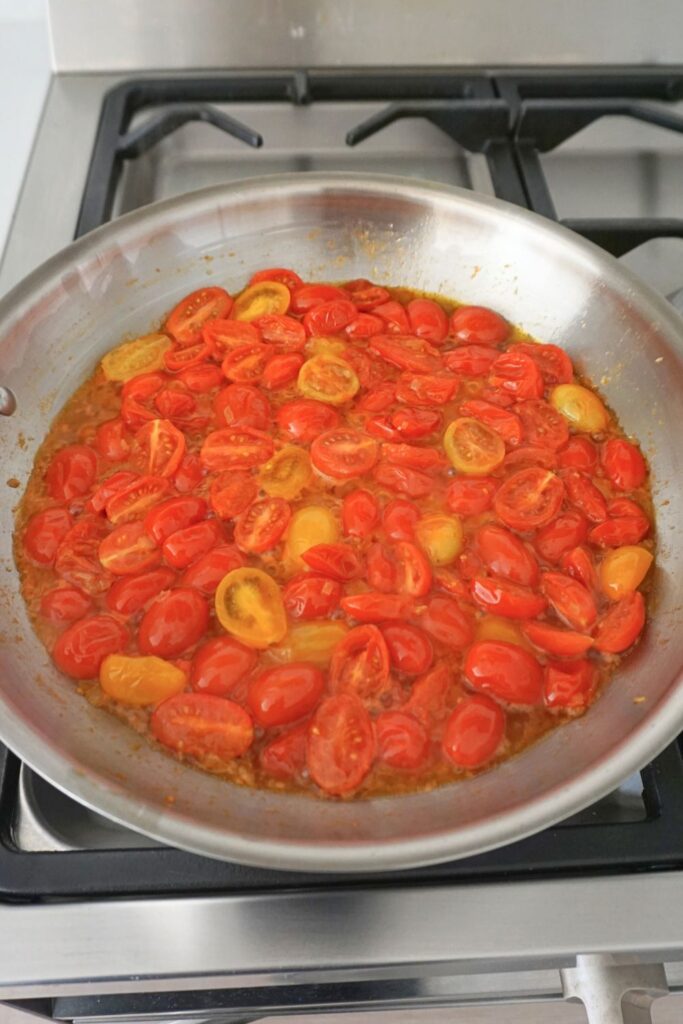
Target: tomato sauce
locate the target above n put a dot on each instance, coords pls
(346, 540)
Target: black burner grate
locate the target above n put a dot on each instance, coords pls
(510, 118)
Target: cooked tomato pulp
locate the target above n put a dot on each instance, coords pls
(343, 539)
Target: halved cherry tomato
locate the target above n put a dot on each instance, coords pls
(561, 536)
(470, 360)
(261, 299)
(528, 455)
(581, 407)
(427, 700)
(128, 550)
(478, 325)
(232, 493)
(424, 389)
(313, 641)
(414, 423)
(569, 685)
(189, 474)
(578, 564)
(186, 320)
(471, 497)
(445, 621)
(138, 681)
(77, 560)
(144, 386)
(623, 463)
(505, 671)
(304, 419)
(201, 725)
(160, 447)
(287, 474)
(427, 320)
(404, 480)
(473, 447)
(394, 317)
(474, 732)
(283, 275)
(618, 530)
(134, 500)
(365, 294)
(282, 695)
(201, 379)
(517, 374)
(311, 525)
(135, 357)
(402, 742)
(311, 295)
(284, 757)
(226, 335)
(176, 404)
(344, 453)
(412, 456)
(249, 605)
(82, 648)
(284, 331)
(360, 513)
(579, 453)
(405, 351)
(328, 379)
(360, 664)
(413, 574)
(175, 622)
(128, 596)
(554, 364)
(584, 495)
(399, 519)
(336, 560)
(172, 515)
(543, 425)
(504, 422)
(624, 569)
(183, 358)
(111, 440)
(112, 484)
(207, 572)
(341, 744)
(378, 398)
(440, 536)
(330, 317)
(621, 625)
(507, 599)
(381, 569)
(529, 498)
(64, 604)
(71, 472)
(563, 643)
(374, 607)
(364, 326)
(242, 405)
(236, 449)
(410, 649)
(246, 363)
(281, 369)
(495, 627)
(506, 556)
(44, 533)
(571, 600)
(311, 597)
(184, 546)
(261, 527)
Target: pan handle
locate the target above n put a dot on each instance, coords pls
(614, 990)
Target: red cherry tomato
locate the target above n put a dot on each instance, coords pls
(343, 453)
(329, 317)
(207, 572)
(474, 732)
(159, 447)
(579, 453)
(505, 671)
(71, 472)
(283, 275)
(374, 607)
(404, 480)
(427, 700)
(172, 515)
(504, 422)
(261, 527)
(186, 320)
(563, 643)
(179, 358)
(517, 374)
(381, 569)
(280, 370)
(284, 758)
(44, 532)
(129, 595)
(623, 463)
(111, 440)
(341, 744)
(286, 693)
(554, 364)
(225, 335)
(399, 519)
(471, 497)
(569, 685)
(336, 560)
(627, 524)
(245, 364)
(281, 330)
(571, 600)
(366, 295)
(500, 597)
(82, 648)
(201, 725)
(413, 574)
(236, 449)
(64, 604)
(144, 386)
(406, 352)
(377, 399)
(173, 623)
(128, 550)
(470, 360)
(423, 389)
(410, 649)
(428, 320)
(232, 493)
(201, 379)
(360, 513)
(584, 495)
(305, 419)
(364, 326)
(112, 484)
(360, 664)
(412, 424)
(445, 621)
(242, 405)
(478, 325)
(220, 665)
(621, 625)
(401, 741)
(412, 456)
(309, 296)
(578, 564)
(561, 536)
(506, 556)
(77, 558)
(528, 455)
(529, 498)
(394, 317)
(542, 424)
(311, 597)
(184, 546)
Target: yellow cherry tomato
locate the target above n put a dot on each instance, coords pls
(328, 379)
(313, 524)
(287, 473)
(473, 447)
(581, 407)
(142, 355)
(323, 346)
(140, 681)
(440, 536)
(261, 299)
(312, 641)
(623, 569)
(494, 627)
(249, 606)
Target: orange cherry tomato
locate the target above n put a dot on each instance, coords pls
(560, 536)
(201, 725)
(220, 665)
(569, 685)
(128, 550)
(207, 572)
(188, 544)
(71, 472)
(427, 320)
(563, 643)
(130, 595)
(284, 758)
(473, 447)
(172, 515)
(341, 744)
(187, 319)
(262, 526)
(344, 453)
(232, 493)
(82, 648)
(516, 374)
(623, 463)
(44, 533)
(374, 607)
(311, 597)
(623, 569)
(506, 556)
(471, 497)
(139, 682)
(407, 352)
(282, 695)
(360, 664)
(236, 449)
(474, 732)
(410, 649)
(621, 625)
(542, 424)
(446, 622)
(336, 560)
(249, 605)
(504, 671)
(328, 379)
(500, 597)
(174, 623)
(64, 604)
(571, 600)
(478, 325)
(402, 742)
(360, 513)
(261, 299)
(529, 498)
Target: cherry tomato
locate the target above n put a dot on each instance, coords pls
(394, 317)
(412, 424)
(621, 625)
(554, 364)
(236, 449)
(579, 453)
(305, 419)
(336, 560)
(261, 299)
(182, 358)
(82, 648)
(201, 379)
(399, 519)
(128, 550)
(440, 536)
(201, 725)
(505, 671)
(311, 597)
(470, 497)
(283, 275)
(563, 643)
(225, 335)
(360, 513)
(474, 732)
(175, 622)
(328, 379)
(360, 664)
(242, 405)
(311, 525)
(246, 363)
(581, 407)
(189, 474)
(232, 493)
(584, 495)
(172, 515)
(220, 665)
(282, 695)
(627, 524)
(406, 352)
(571, 600)
(186, 320)
(111, 440)
(427, 320)
(284, 758)
(528, 455)
(287, 474)
(504, 598)
(412, 456)
(249, 605)
(424, 389)
(578, 564)
(623, 463)
(427, 700)
(624, 569)
(413, 573)
(341, 744)
(77, 559)
(381, 569)
(311, 295)
(561, 536)
(261, 527)
(64, 604)
(129, 595)
(178, 405)
(44, 533)
(112, 484)
(504, 422)
(140, 682)
(280, 370)
(184, 546)
(207, 572)
(569, 685)
(410, 649)
(517, 374)
(286, 332)
(344, 453)
(364, 326)
(144, 385)
(401, 741)
(160, 447)
(529, 498)
(71, 472)
(374, 607)
(470, 360)
(478, 325)
(330, 317)
(506, 556)
(366, 295)
(445, 621)
(543, 425)
(378, 398)
(473, 447)
(404, 480)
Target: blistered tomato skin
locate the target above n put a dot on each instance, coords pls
(339, 538)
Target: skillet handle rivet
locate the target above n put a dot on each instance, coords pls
(8, 402)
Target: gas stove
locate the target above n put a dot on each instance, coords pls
(98, 922)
